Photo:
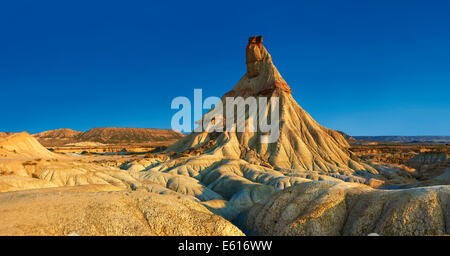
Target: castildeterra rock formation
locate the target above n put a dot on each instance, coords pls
(303, 144)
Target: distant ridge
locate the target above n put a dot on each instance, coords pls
(106, 135)
(406, 139)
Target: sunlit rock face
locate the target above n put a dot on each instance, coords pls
(341, 208)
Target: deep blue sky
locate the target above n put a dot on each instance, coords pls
(364, 67)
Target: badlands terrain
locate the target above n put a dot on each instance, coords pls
(311, 181)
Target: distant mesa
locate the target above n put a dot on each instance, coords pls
(105, 135)
(127, 135)
(5, 134)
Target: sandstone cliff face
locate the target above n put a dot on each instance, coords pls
(340, 208)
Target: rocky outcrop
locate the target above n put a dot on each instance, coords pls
(85, 211)
(340, 208)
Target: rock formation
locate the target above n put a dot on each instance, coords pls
(303, 144)
(341, 208)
